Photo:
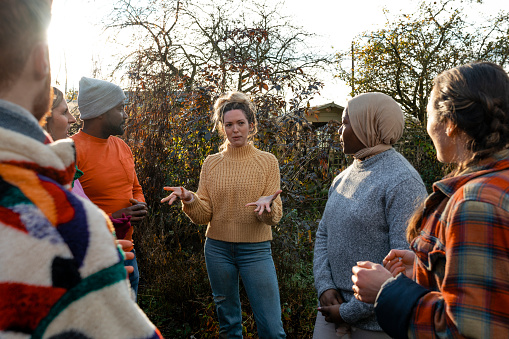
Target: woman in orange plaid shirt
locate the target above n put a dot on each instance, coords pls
(459, 263)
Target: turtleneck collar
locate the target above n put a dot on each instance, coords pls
(239, 153)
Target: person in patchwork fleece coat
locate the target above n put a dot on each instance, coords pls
(61, 274)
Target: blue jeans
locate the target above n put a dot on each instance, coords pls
(134, 278)
(253, 261)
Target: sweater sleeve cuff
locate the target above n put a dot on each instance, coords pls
(266, 217)
(395, 303)
(190, 201)
(191, 204)
(322, 288)
(353, 311)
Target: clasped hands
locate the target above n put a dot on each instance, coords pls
(329, 306)
(138, 210)
(369, 277)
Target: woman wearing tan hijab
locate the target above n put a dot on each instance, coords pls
(366, 214)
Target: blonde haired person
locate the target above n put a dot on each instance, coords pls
(238, 235)
(58, 123)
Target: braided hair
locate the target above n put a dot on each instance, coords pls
(475, 97)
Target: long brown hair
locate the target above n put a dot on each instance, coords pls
(475, 97)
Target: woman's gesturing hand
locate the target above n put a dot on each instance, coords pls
(264, 203)
(400, 261)
(177, 193)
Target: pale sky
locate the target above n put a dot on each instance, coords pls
(77, 40)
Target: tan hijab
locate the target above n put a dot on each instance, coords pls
(377, 120)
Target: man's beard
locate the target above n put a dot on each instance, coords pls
(42, 104)
(116, 129)
(121, 129)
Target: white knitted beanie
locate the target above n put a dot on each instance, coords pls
(96, 97)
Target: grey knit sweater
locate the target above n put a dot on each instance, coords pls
(365, 217)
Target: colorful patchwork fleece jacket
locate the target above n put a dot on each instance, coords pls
(61, 274)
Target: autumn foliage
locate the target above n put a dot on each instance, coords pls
(173, 83)
(170, 133)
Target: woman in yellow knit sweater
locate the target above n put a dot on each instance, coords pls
(238, 197)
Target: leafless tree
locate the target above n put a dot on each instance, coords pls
(230, 45)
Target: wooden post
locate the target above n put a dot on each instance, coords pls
(353, 66)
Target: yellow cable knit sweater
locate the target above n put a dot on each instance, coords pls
(228, 181)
